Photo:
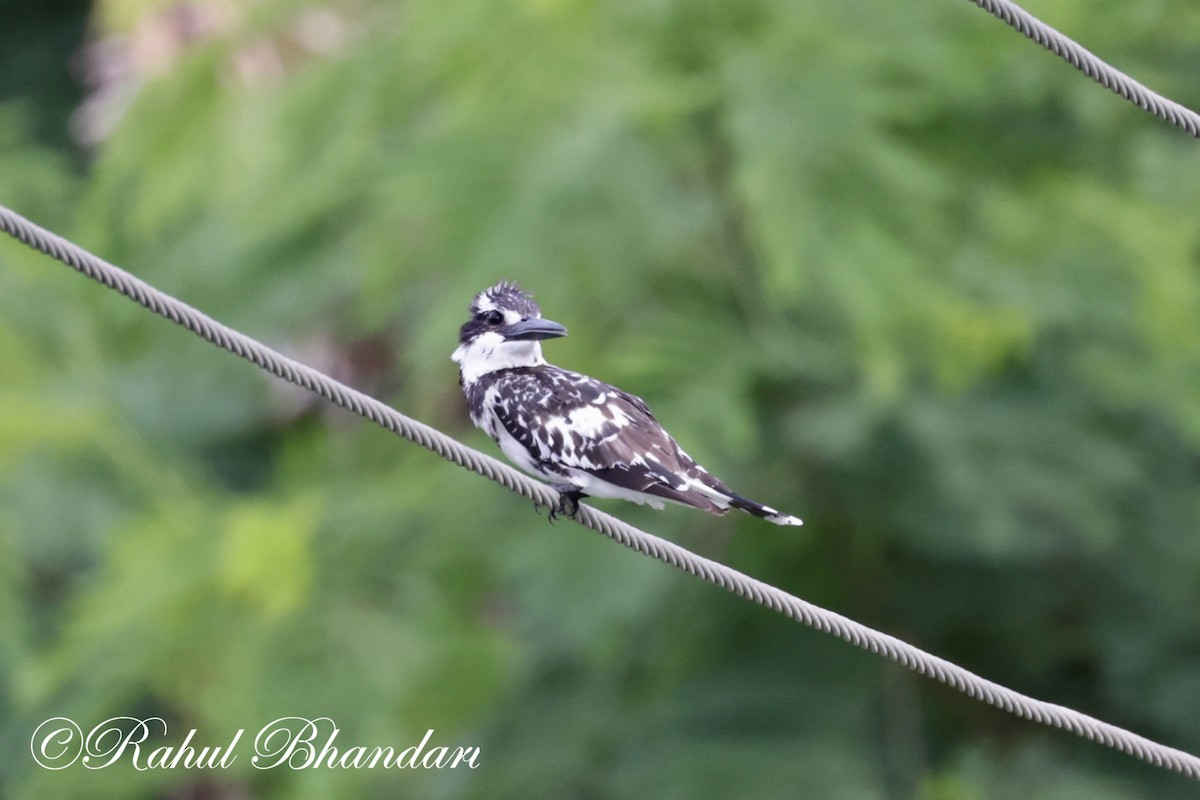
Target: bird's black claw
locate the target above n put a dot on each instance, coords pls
(568, 501)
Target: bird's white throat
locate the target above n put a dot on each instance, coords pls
(491, 352)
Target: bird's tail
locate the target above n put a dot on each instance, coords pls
(765, 512)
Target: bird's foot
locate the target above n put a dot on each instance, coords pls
(568, 503)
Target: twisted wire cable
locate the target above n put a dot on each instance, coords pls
(1091, 65)
(714, 572)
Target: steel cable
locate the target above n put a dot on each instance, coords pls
(1091, 65)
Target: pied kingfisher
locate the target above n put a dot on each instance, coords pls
(583, 436)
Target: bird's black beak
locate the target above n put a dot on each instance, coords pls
(530, 329)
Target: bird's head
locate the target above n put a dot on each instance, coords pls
(503, 332)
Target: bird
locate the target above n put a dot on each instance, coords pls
(583, 436)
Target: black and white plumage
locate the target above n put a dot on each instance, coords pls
(583, 436)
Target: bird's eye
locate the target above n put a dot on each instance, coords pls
(493, 318)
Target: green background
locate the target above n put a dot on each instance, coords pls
(889, 267)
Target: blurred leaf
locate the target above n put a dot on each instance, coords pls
(266, 560)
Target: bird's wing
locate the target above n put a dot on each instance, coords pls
(569, 421)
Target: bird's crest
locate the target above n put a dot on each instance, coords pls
(505, 296)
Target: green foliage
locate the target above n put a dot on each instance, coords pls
(886, 267)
